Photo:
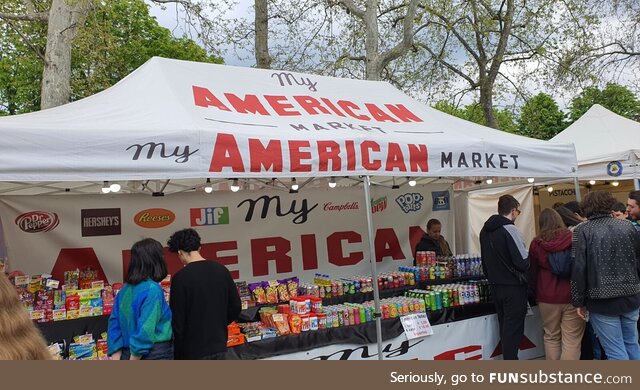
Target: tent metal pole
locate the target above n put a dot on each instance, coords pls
(372, 259)
(636, 181)
(576, 184)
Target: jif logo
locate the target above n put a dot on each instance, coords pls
(209, 216)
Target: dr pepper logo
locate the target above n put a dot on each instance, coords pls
(37, 221)
(154, 218)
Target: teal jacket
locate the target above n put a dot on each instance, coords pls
(140, 318)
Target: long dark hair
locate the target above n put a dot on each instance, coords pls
(568, 217)
(550, 224)
(147, 262)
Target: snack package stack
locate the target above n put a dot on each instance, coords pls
(102, 348)
(86, 277)
(83, 348)
(245, 295)
(56, 350)
(71, 280)
(252, 330)
(234, 335)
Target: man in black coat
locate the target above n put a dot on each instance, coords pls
(505, 260)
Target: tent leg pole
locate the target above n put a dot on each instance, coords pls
(372, 260)
(576, 184)
(636, 181)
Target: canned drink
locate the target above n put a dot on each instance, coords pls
(356, 316)
(385, 311)
(362, 315)
(438, 300)
(393, 310)
(340, 289)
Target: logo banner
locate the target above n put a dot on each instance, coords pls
(258, 235)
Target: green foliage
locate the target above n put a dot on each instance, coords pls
(118, 37)
(473, 113)
(541, 118)
(614, 97)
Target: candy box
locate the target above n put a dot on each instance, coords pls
(59, 314)
(37, 315)
(83, 351)
(21, 280)
(85, 311)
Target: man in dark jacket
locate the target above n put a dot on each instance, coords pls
(505, 260)
(633, 209)
(604, 278)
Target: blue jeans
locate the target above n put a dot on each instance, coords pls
(618, 334)
(159, 351)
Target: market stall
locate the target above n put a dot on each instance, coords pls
(310, 154)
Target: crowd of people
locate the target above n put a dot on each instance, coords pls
(583, 269)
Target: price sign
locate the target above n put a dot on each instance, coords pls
(416, 325)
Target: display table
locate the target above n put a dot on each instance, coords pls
(66, 330)
(354, 334)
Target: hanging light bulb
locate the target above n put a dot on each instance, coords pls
(592, 182)
(531, 180)
(115, 187)
(294, 184)
(208, 188)
(412, 182)
(105, 187)
(489, 181)
(235, 187)
(615, 183)
(332, 182)
(550, 189)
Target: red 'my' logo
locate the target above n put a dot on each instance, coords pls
(471, 352)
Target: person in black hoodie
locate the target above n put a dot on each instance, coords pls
(505, 261)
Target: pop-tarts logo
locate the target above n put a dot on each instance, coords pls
(209, 216)
(410, 202)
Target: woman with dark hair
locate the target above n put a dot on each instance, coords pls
(433, 240)
(571, 219)
(140, 324)
(563, 328)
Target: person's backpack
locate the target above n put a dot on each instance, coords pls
(560, 263)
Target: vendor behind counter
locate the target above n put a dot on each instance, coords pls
(433, 241)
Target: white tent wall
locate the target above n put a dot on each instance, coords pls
(475, 207)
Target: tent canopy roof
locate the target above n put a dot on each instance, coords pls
(602, 137)
(179, 120)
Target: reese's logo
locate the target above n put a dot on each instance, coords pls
(154, 218)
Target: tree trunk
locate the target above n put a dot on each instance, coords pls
(263, 59)
(486, 102)
(65, 17)
(373, 69)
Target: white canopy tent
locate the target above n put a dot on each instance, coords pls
(607, 145)
(183, 122)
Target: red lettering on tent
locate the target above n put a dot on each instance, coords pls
(387, 245)
(378, 114)
(418, 158)
(309, 251)
(471, 352)
(269, 157)
(403, 113)
(395, 158)
(311, 105)
(332, 107)
(366, 159)
(335, 251)
(296, 156)
(351, 155)
(261, 255)
(348, 107)
(329, 151)
(77, 258)
(281, 106)
(226, 154)
(415, 235)
(250, 104)
(204, 98)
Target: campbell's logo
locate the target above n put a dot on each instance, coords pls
(329, 206)
(37, 221)
(154, 218)
(378, 205)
